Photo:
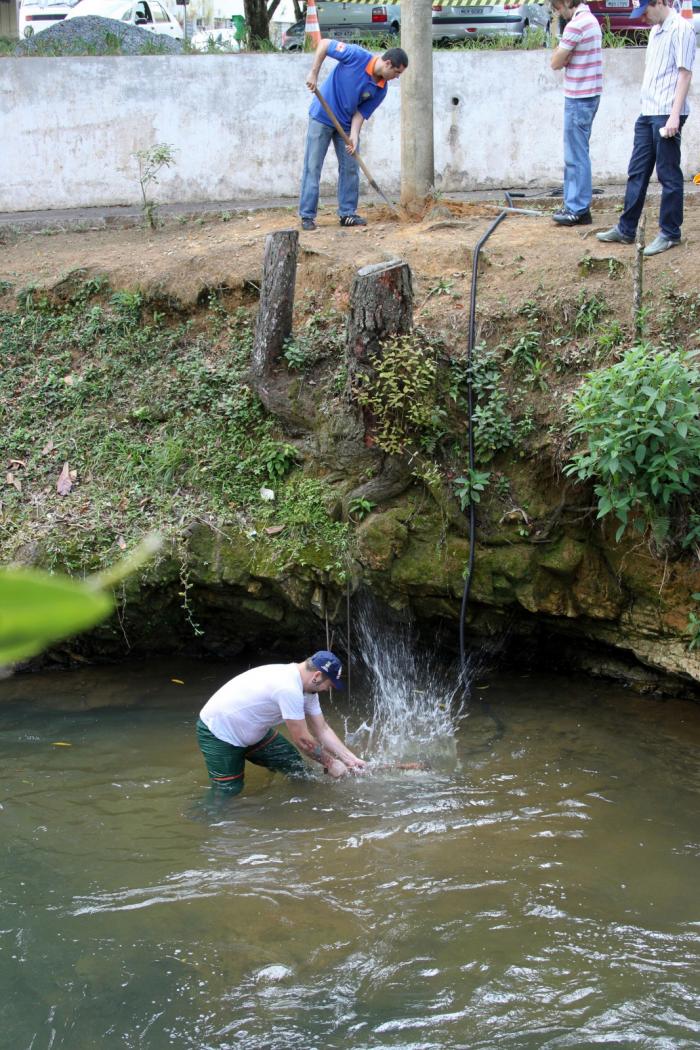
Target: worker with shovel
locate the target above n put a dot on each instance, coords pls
(352, 92)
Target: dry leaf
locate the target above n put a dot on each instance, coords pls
(12, 480)
(17, 463)
(121, 543)
(64, 483)
(272, 530)
(48, 447)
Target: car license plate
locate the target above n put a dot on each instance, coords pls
(611, 4)
(471, 11)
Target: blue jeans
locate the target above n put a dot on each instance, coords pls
(318, 139)
(649, 151)
(578, 121)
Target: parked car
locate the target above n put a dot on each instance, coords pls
(450, 24)
(352, 22)
(35, 15)
(511, 18)
(614, 15)
(149, 14)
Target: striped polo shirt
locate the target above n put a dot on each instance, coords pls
(583, 75)
(671, 47)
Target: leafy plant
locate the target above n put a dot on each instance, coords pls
(401, 394)
(590, 310)
(469, 487)
(640, 419)
(525, 351)
(48, 608)
(693, 627)
(151, 162)
(360, 507)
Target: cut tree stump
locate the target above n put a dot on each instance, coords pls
(381, 306)
(274, 323)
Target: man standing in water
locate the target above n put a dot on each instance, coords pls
(239, 722)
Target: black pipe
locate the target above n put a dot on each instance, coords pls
(471, 339)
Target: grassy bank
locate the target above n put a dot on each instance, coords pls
(143, 421)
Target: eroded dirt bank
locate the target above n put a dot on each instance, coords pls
(126, 357)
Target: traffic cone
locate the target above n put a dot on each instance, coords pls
(687, 9)
(313, 30)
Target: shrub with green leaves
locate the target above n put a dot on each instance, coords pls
(640, 419)
(401, 393)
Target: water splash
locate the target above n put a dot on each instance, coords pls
(416, 700)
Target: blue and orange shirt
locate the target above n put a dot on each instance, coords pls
(350, 87)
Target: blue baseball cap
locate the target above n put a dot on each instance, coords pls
(330, 665)
(639, 10)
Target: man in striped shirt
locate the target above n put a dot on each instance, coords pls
(657, 132)
(579, 54)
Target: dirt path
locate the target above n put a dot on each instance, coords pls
(526, 257)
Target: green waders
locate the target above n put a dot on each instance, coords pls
(226, 763)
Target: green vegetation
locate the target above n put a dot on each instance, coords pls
(151, 162)
(116, 421)
(469, 487)
(640, 419)
(401, 392)
(39, 609)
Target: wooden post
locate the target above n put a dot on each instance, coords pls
(274, 323)
(381, 306)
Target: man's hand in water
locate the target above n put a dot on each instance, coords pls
(336, 768)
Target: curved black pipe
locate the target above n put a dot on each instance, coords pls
(471, 339)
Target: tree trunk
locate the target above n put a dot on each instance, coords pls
(381, 306)
(274, 323)
(258, 22)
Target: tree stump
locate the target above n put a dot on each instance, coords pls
(274, 323)
(381, 306)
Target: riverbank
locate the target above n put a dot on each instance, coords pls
(128, 378)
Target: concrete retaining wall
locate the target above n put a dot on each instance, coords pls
(69, 127)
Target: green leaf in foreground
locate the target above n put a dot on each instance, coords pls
(37, 609)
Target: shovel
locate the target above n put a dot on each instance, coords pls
(346, 139)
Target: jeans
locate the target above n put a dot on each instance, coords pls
(578, 121)
(651, 150)
(318, 139)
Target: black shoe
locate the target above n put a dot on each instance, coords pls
(308, 224)
(569, 218)
(352, 220)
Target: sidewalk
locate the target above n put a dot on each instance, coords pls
(131, 215)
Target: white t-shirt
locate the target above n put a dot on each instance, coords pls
(244, 709)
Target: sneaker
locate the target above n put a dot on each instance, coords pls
(614, 237)
(308, 225)
(661, 243)
(570, 218)
(352, 220)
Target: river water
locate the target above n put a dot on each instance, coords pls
(536, 890)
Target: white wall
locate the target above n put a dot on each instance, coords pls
(69, 127)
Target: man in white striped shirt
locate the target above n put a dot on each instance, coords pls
(657, 132)
(579, 54)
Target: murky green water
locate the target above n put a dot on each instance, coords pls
(540, 895)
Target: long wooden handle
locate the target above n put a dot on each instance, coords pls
(346, 138)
